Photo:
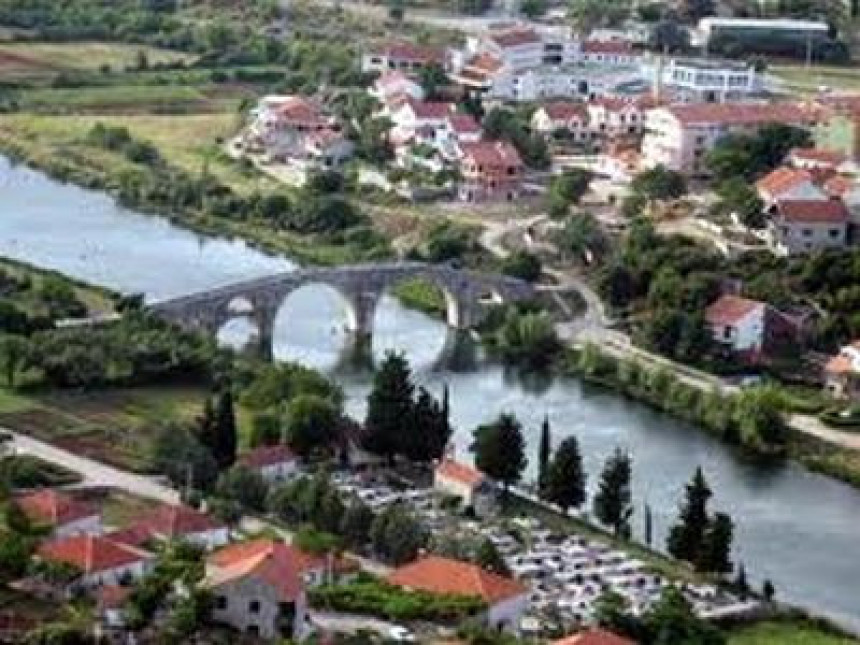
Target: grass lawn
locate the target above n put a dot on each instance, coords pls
(786, 633)
(800, 79)
(87, 56)
(114, 426)
(119, 508)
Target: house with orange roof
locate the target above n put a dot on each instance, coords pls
(65, 515)
(259, 587)
(680, 136)
(799, 226)
(174, 522)
(737, 323)
(569, 117)
(402, 56)
(613, 51)
(785, 183)
(818, 159)
(505, 599)
(470, 485)
(842, 373)
(273, 463)
(99, 560)
(391, 84)
(616, 116)
(490, 170)
(595, 636)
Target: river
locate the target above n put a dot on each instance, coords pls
(800, 529)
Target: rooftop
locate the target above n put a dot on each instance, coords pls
(263, 456)
(783, 179)
(492, 153)
(729, 310)
(49, 506)
(460, 472)
(740, 113)
(440, 575)
(91, 553)
(816, 211)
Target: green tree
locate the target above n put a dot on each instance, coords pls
(717, 547)
(244, 486)
(659, 183)
(671, 621)
(760, 420)
(224, 438)
(396, 535)
(544, 455)
(528, 339)
(389, 403)
(432, 78)
(356, 523)
(533, 8)
(429, 431)
(177, 453)
(523, 265)
(612, 611)
(739, 197)
(14, 351)
(767, 590)
(686, 538)
(266, 429)
(489, 558)
(571, 185)
(499, 450)
(311, 423)
(565, 481)
(613, 503)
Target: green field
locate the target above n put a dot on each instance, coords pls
(83, 56)
(799, 78)
(786, 633)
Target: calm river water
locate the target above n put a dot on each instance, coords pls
(799, 529)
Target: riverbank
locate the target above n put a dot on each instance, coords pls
(713, 412)
(58, 146)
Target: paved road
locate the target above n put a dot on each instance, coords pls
(814, 426)
(95, 473)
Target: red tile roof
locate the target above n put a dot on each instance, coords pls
(729, 310)
(280, 565)
(263, 456)
(818, 156)
(782, 180)
(613, 46)
(839, 185)
(492, 153)
(440, 575)
(91, 553)
(485, 63)
(406, 51)
(565, 111)
(741, 113)
(111, 596)
(450, 469)
(813, 211)
(430, 109)
(464, 124)
(615, 103)
(52, 507)
(515, 37)
(595, 637)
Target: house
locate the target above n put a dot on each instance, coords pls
(562, 117)
(259, 587)
(842, 372)
(505, 598)
(615, 116)
(418, 119)
(594, 637)
(679, 136)
(620, 166)
(737, 323)
(174, 522)
(490, 170)
(110, 604)
(391, 84)
(100, 561)
(609, 52)
(786, 183)
(274, 463)
(465, 482)
(846, 189)
(463, 128)
(708, 80)
(819, 159)
(65, 515)
(804, 226)
(402, 56)
(325, 150)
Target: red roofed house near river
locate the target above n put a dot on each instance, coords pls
(491, 170)
(505, 598)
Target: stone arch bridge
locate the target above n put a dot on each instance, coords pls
(361, 287)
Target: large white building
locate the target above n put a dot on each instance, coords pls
(705, 80)
(679, 136)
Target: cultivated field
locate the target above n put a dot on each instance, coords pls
(39, 57)
(799, 78)
(786, 633)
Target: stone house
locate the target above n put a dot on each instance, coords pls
(800, 226)
(470, 485)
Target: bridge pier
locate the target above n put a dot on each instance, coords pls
(263, 343)
(362, 304)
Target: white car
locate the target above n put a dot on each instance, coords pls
(401, 634)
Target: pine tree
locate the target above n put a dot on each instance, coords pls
(389, 406)
(742, 585)
(429, 431)
(717, 548)
(499, 450)
(767, 590)
(687, 537)
(544, 454)
(613, 500)
(565, 481)
(489, 559)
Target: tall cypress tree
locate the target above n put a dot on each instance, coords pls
(428, 432)
(389, 406)
(613, 500)
(565, 481)
(686, 538)
(224, 434)
(649, 525)
(544, 454)
(717, 548)
(499, 450)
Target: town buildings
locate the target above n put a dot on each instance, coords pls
(97, 560)
(679, 136)
(401, 56)
(707, 80)
(506, 599)
(842, 372)
(737, 323)
(174, 522)
(468, 484)
(806, 225)
(62, 513)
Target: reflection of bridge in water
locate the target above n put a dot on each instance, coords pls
(361, 287)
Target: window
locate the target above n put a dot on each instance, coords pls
(807, 232)
(727, 333)
(254, 630)
(834, 232)
(221, 602)
(254, 606)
